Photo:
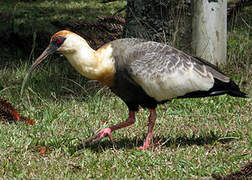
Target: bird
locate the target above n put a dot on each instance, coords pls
(142, 73)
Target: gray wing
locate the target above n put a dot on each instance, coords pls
(165, 72)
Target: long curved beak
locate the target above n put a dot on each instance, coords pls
(49, 50)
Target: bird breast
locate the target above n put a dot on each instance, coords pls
(96, 65)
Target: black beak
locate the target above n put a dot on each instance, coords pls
(49, 50)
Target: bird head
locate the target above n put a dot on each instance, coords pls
(58, 43)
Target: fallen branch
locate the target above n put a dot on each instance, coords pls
(9, 114)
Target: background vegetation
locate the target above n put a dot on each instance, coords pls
(194, 138)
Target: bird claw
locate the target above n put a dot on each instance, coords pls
(145, 146)
(101, 134)
(142, 148)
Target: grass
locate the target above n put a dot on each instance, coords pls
(39, 14)
(193, 137)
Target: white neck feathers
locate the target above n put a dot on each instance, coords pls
(98, 65)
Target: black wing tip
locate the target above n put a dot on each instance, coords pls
(235, 91)
(219, 88)
(238, 94)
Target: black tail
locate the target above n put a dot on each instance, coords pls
(229, 88)
(219, 88)
(235, 91)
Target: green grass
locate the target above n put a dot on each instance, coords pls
(40, 13)
(193, 137)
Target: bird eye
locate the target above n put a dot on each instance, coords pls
(59, 41)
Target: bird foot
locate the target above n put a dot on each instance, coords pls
(144, 147)
(101, 134)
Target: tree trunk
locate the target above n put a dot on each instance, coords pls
(165, 21)
(209, 30)
(147, 19)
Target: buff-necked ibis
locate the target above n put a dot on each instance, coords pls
(142, 73)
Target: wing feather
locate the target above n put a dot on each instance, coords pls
(165, 73)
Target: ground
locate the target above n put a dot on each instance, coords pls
(194, 138)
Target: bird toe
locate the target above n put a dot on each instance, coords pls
(144, 147)
(101, 134)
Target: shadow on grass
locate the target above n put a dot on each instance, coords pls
(157, 142)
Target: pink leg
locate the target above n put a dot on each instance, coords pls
(152, 119)
(107, 131)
